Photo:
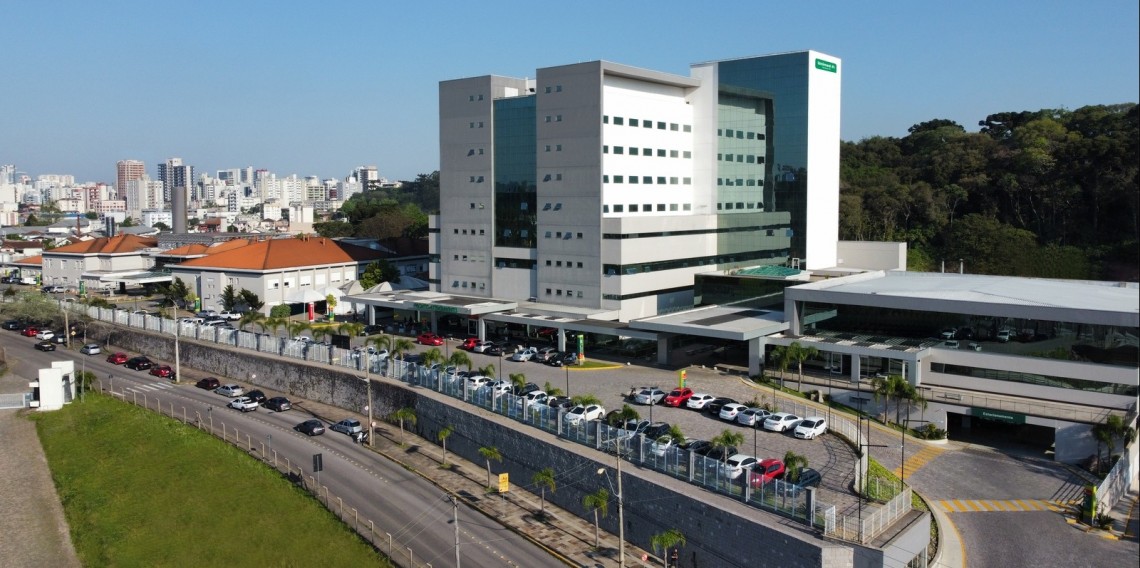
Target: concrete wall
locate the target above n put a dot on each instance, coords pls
(717, 535)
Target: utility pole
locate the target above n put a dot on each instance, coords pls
(455, 521)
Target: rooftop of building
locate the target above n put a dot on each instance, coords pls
(275, 254)
(118, 244)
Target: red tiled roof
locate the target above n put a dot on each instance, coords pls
(118, 244)
(272, 254)
(37, 260)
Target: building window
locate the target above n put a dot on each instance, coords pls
(672, 206)
(688, 207)
(619, 208)
(579, 235)
(633, 208)
(660, 152)
(619, 121)
(605, 149)
(660, 126)
(619, 179)
(548, 291)
(605, 119)
(648, 180)
(558, 118)
(619, 149)
(688, 154)
(605, 208)
(673, 126)
(647, 123)
(647, 151)
(689, 128)
(633, 150)
(547, 118)
(633, 179)
(548, 89)
(674, 154)
(633, 122)
(579, 264)
(660, 206)
(558, 88)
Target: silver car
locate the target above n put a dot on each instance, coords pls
(91, 349)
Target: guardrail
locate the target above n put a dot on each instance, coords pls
(381, 540)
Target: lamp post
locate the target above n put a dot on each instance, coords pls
(177, 355)
(567, 369)
(455, 521)
(368, 407)
(621, 511)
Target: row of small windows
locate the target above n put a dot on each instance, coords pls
(481, 231)
(717, 231)
(740, 158)
(481, 206)
(646, 123)
(554, 118)
(476, 179)
(564, 235)
(475, 124)
(739, 205)
(740, 134)
(646, 207)
(556, 89)
(558, 264)
(473, 98)
(549, 177)
(569, 293)
(473, 258)
(523, 263)
(635, 151)
(475, 151)
(742, 182)
(615, 269)
(557, 147)
(458, 284)
(648, 180)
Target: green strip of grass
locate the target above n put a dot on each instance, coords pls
(142, 490)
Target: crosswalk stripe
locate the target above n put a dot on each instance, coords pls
(1002, 505)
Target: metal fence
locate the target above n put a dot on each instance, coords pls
(1116, 484)
(383, 541)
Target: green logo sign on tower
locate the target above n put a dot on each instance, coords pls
(825, 65)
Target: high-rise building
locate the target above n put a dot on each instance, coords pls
(127, 170)
(174, 174)
(608, 187)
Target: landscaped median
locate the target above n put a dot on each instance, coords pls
(139, 489)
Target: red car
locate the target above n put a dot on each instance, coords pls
(469, 343)
(117, 358)
(30, 332)
(677, 397)
(766, 471)
(429, 339)
(163, 371)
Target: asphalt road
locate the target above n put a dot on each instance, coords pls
(399, 502)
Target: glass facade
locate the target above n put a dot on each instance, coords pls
(765, 98)
(516, 189)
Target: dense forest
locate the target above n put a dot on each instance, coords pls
(1051, 193)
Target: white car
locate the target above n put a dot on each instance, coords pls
(738, 464)
(810, 427)
(524, 354)
(230, 390)
(476, 381)
(45, 334)
(752, 417)
(950, 344)
(244, 404)
(1004, 335)
(303, 339)
(496, 389)
(481, 346)
(699, 400)
(781, 421)
(731, 410)
(649, 395)
(533, 397)
(228, 315)
(662, 445)
(91, 349)
(581, 414)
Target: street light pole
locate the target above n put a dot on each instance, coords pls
(621, 509)
(455, 521)
(177, 355)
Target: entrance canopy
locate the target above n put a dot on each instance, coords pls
(732, 322)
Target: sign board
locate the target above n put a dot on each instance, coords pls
(998, 415)
(824, 65)
(435, 308)
(318, 462)
(504, 483)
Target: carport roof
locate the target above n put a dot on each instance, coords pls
(734, 322)
(431, 302)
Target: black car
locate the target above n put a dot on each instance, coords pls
(713, 406)
(563, 359)
(12, 325)
(372, 329)
(526, 389)
(45, 346)
(656, 430)
(278, 404)
(719, 453)
(208, 383)
(257, 396)
(808, 478)
(139, 363)
(560, 402)
(311, 427)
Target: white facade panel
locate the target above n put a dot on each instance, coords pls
(826, 74)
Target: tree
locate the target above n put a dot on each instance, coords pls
(431, 357)
(330, 304)
(321, 331)
(377, 272)
(334, 229)
(442, 436)
(280, 311)
(250, 300)
(296, 328)
(725, 440)
(624, 416)
(518, 381)
(544, 479)
(666, 540)
(585, 400)
(229, 298)
(91, 215)
(488, 370)
(275, 323)
(252, 318)
(161, 226)
(128, 222)
(1112, 429)
(779, 356)
(598, 502)
(794, 464)
(490, 453)
(797, 354)
(406, 414)
(350, 328)
(892, 386)
(177, 292)
(31, 305)
(401, 346)
(459, 359)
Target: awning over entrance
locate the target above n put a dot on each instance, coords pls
(737, 323)
(431, 302)
(137, 277)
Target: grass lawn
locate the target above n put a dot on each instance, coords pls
(142, 490)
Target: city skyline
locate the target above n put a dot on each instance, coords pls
(320, 91)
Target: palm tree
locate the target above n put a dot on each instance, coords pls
(296, 328)
(666, 540)
(676, 434)
(459, 359)
(794, 465)
(518, 380)
(431, 357)
(488, 370)
(893, 386)
(443, 435)
(379, 341)
(626, 414)
(1112, 429)
(797, 354)
(780, 358)
(586, 400)
(406, 414)
(252, 318)
(275, 323)
(400, 346)
(551, 389)
(350, 328)
(727, 439)
(490, 453)
(322, 331)
(544, 479)
(598, 501)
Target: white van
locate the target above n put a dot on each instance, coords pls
(29, 280)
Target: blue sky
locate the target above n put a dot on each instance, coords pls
(319, 88)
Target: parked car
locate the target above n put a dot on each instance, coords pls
(256, 395)
(765, 471)
(950, 344)
(678, 397)
(231, 315)
(140, 363)
(730, 411)
(45, 346)
(736, 465)
(163, 371)
(469, 343)
(717, 453)
(230, 390)
(581, 414)
(563, 402)
(713, 406)
(656, 430)
(30, 331)
(525, 389)
(54, 289)
(1004, 335)
(208, 383)
(118, 358)
(524, 354)
(476, 381)
(311, 427)
(662, 444)
(699, 400)
(544, 354)
(429, 339)
(278, 404)
(244, 404)
(207, 314)
(649, 395)
(810, 427)
(495, 389)
(371, 329)
(807, 478)
(481, 346)
(752, 417)
(781, 421)
(500, 348)
(91, 349)
(533, 397)
(11, 325)
(45, 335)
(348, 426)
(635, 426)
